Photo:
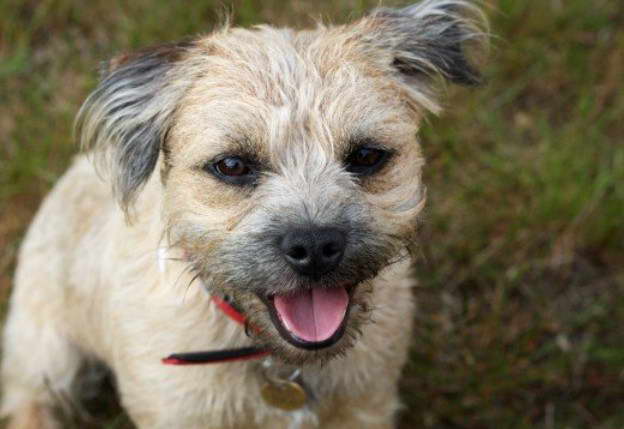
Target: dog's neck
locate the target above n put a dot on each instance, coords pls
(230, 310)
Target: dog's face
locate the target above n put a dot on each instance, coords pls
(288, 189)
(289, 163)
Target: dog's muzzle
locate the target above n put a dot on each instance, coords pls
(312, 317)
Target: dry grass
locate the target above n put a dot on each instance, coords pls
(522, 275)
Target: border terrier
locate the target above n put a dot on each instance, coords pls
(277, 171)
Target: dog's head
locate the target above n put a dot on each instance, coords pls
(289, 163)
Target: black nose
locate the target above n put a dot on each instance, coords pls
(313, 251)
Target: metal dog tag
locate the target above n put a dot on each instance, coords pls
(286, 395)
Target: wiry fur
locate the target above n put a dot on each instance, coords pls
(126, 118)
(90, 284)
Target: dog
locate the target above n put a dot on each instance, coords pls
(266, 175)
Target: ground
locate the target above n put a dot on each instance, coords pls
(522, 253)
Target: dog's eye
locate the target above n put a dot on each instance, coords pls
(365, 161)
(233, 169)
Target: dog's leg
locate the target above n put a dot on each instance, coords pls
(39, 358)
(375, 410)
(38, 368)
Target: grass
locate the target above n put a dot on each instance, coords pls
(521, 289)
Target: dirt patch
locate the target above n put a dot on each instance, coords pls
(14, 219)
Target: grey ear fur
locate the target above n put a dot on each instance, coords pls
(127, 116)
(429, 38)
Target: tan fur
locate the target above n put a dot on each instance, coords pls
(34, 416)
(91, 284)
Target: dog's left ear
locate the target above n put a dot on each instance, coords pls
(429, 39)
(126, 118)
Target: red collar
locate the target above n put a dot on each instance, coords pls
(219, 356)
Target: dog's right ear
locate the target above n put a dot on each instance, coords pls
(126, 118)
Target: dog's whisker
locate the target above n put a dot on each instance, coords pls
(185, 271)
(188, 286)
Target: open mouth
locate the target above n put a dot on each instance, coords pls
(311, 318)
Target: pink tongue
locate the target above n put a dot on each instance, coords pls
(313, 315)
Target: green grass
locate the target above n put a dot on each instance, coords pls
(521, 289)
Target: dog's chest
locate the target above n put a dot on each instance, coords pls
(249, 396)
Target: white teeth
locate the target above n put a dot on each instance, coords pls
(286, 325)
